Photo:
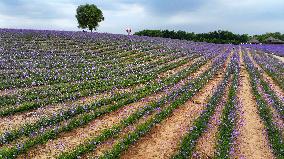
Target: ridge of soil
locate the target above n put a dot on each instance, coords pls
(251, 141)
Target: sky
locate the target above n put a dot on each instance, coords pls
(239, 16)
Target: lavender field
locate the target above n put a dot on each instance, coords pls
(98, 95)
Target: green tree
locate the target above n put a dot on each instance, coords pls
(219, 36)
(89, 16)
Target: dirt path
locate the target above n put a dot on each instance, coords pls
(279, 57)
(252, 139)
(206, 145)
(177, 69)
(9, 91)
(71, 139)
(12, 122)
(276, 117)
(107, 145)
(277, 120)
(279, 92)
(162, 141)
(13, 91)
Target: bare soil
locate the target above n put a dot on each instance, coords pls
(252, 139)
(15, 121)
(178, 69)
(19, 119)
(279, 57)
(69, 140)
(279, 92)
(206, 145)
(163, 140)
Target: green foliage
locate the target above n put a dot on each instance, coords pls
(219, 36)
(225, 135)
(98, 109)
(189, 141)
(263, 37)
(183, 95)
(89, 16)
(273, 132)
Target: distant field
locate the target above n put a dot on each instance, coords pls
(275, 49)
(94, 95)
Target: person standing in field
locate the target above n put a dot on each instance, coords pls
(128, 30)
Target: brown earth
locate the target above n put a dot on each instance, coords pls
(279, 92)
(69, 140)
(206, 144)
(177, 69)
(163, 140)
(252, 139)
(13, 122)
(107, 145)
(279, 57)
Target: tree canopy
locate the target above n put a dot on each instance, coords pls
(262, 38)
(89, 16)
(219, 36)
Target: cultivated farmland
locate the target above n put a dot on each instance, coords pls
(95, 95)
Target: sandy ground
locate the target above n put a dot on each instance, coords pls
(279, 57)
(107, 145)
(15, 121)
(164, 138)
(177, 69)
(206, 144)
(70, 140)
(13, 91)
(252, 141)
(279, 92)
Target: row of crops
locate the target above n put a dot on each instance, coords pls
(270, 48)
(94, 95)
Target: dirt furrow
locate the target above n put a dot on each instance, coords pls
(277, 120)
(71, 139)
(279, 57)
(107, 145)
(12, 122)
(178, 69)
(9, 91)
(276, 117)
(251, 141)
(13, 91)
(206, 145)
(162, 141)
(279, 92)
